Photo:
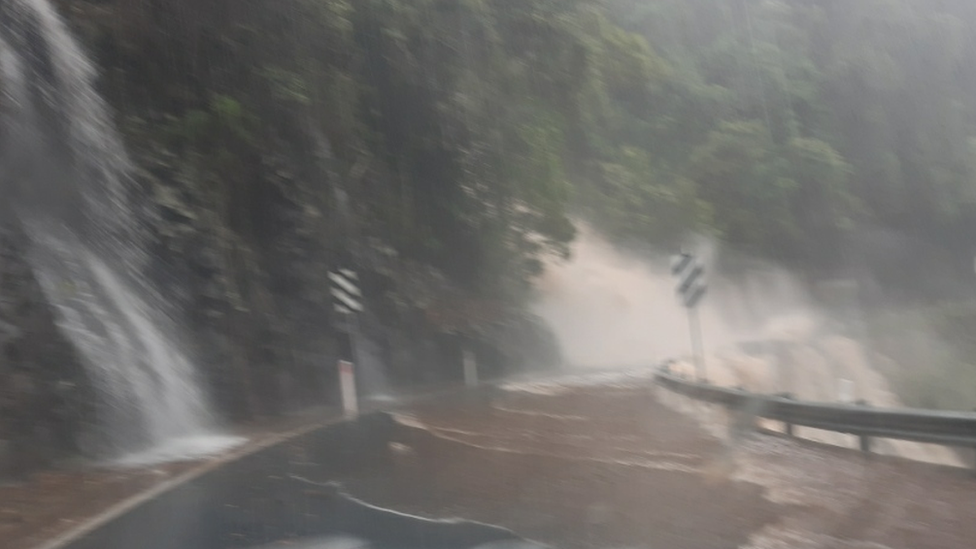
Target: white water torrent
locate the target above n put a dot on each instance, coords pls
(67, 174)
(611, 310)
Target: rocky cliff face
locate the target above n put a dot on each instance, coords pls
(45, 397)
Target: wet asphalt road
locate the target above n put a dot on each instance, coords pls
(255, 500)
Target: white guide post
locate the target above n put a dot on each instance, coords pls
(347, 386)
(470, 369)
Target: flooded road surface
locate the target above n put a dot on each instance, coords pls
(594, 467)
(608, 464)
(605, 464)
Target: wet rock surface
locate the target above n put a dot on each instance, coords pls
(45, 397)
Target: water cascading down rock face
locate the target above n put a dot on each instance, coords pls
(64, 176)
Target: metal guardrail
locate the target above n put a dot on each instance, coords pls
(956, 429)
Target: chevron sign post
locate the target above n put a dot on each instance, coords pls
(347, 300)
(346, 296)
(691, 288)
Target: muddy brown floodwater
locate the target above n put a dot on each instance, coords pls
(611, 466)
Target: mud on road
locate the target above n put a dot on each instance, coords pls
(612, 466)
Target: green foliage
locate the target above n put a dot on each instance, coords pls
(224, 120)
(768, 198)
(464, 132)
(932, 354)
(451, 126)
(633, 198)
(794, 123)
(288, 86)
(737, 168)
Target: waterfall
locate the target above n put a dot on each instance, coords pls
(65, 176)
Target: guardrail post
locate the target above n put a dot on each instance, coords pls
(974, 454)
(866, 444)
(787, 426)
(865, 439)
(470, 368)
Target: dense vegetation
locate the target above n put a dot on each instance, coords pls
(442, 124)
(791, 127)
(835, 137)
(464, 131)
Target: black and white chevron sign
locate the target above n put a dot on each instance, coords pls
(690, 275)
(346, 296)
(691, 279)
